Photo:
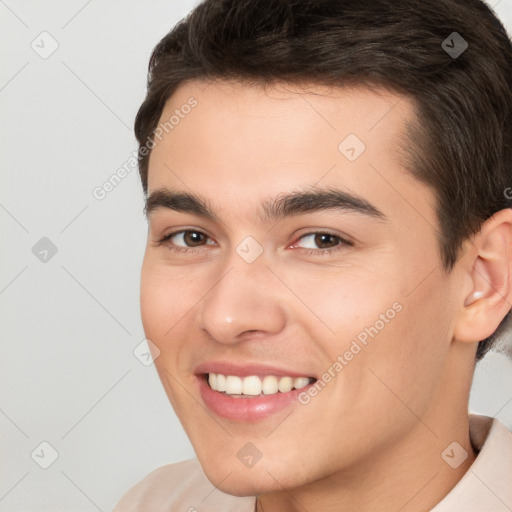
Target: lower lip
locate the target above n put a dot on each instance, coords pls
(246, 409)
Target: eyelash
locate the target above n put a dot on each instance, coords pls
(310, 252)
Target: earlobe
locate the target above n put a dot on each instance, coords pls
(490, 273)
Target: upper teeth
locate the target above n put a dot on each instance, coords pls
(253, 385)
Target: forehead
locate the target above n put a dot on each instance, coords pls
(242, 143)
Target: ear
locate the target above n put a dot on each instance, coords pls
(489, 274)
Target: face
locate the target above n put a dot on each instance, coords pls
(289, 248)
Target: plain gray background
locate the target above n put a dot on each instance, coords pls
(69, 278)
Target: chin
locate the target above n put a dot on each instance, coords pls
(243, 481)
(237, 483)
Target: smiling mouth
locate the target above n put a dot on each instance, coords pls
(254, 386)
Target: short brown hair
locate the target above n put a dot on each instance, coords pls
(460, 144)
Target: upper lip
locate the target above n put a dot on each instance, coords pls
(246, 369)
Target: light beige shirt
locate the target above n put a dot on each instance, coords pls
(486, 487)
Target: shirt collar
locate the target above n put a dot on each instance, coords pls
(487, 485)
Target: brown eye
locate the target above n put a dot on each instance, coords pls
(184, 239)
(320, 240)
(326, 240)
(193, 238)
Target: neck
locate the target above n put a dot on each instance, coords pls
(409, 475)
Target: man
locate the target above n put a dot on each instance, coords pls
(329, 253)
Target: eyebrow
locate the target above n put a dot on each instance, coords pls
(294, 203)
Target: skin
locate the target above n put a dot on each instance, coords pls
(372, 438)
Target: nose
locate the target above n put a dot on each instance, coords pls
(247, 298)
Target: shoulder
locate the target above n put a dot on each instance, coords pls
(181, 486)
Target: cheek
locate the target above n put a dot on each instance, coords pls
(392, 342)
(165, 299)
(155, 304)
(404, 362)
(338, 305)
